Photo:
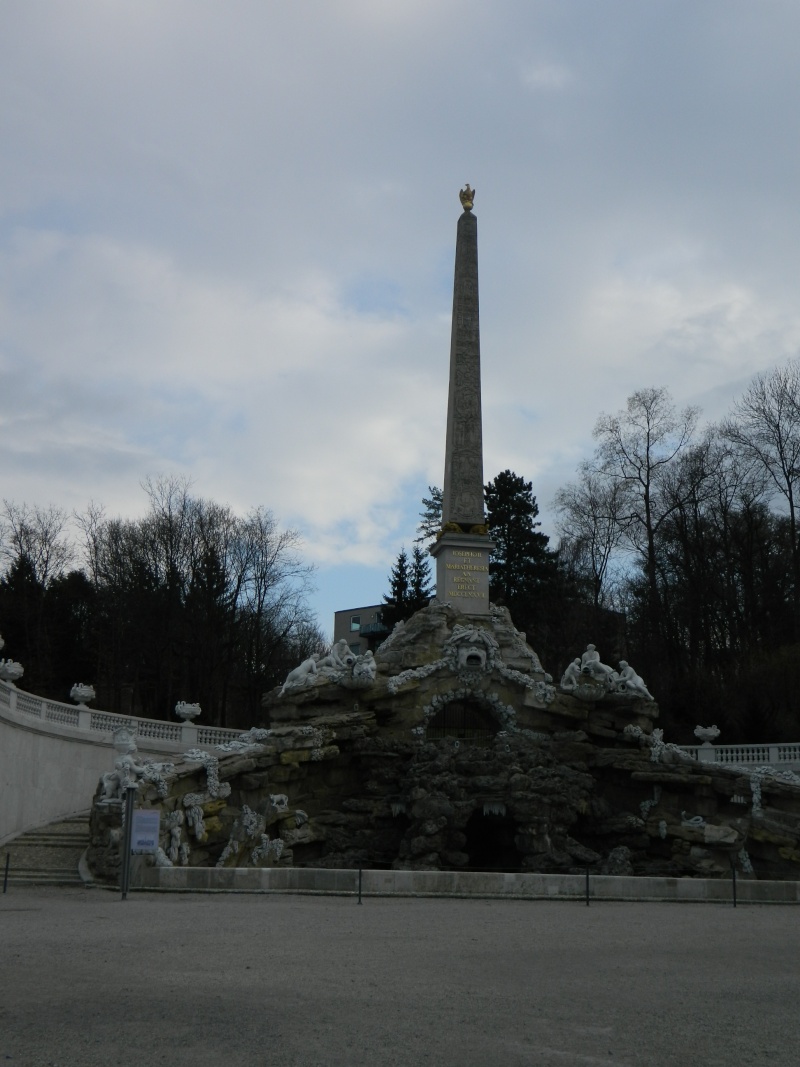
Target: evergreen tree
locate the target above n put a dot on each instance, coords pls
(420, 585)
(399, 591)
(410, 586)
(431, 517)
(521, 563)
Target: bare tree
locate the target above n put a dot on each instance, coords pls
(37, 551)
(36, 534)
(765, 428)
(636, 451)
(590, 512)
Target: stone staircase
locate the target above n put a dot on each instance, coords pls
(48, 855)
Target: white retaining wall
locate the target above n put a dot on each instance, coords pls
(52, 755)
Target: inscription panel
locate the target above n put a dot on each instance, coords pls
(462, 577)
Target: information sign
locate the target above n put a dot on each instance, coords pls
(144, 827)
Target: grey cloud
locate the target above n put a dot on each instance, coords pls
(226, 234)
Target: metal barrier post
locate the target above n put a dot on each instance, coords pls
(5, 876)
(359, 885)
(733, 879)
(587, 887)
(125, 874)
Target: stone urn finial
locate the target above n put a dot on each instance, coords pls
(706, 734)
(80, 693)
(10, 671)
(187, 712)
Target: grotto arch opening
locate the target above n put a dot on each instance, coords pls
(463, 720)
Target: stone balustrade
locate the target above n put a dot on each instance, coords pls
(150, 733)
(786, 755)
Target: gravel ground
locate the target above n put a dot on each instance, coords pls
(88, 979)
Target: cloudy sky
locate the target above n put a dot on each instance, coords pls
(227, 234)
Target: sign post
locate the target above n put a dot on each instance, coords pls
(125, 873)
(141, 836)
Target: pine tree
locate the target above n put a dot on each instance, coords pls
(521, 563)
(420, 585)
(431, 517)
(410, 586)
(399, 591)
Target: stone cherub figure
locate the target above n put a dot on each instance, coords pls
(365, 668)
(126, 771)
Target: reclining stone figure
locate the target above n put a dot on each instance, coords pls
(591, 665)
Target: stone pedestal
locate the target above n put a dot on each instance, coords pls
(462, 572)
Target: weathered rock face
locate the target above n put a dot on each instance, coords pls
(453, 749)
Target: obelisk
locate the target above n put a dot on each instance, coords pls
(462, 547)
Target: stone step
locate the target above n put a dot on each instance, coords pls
(38, 839)
(51, 872)
(45, 878)
(48, 855)
(36, 858)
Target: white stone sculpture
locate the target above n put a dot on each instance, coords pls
(706, 734)
(173, 824)
(696, 822)
(591, 665)
(338, 665)
(362, 675)
(157, 773)
(126, 768)
(81, 693)
(662, 751)
(744, 859)
(125, 773)
(629, 681)
(11, 671)
(340, 658)
(572, 675)
(196, 755)
(187, 712)
(250, 741)
(266, 850)
(301, 676)
(471, 650)
(631, 732)
(195, 821)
